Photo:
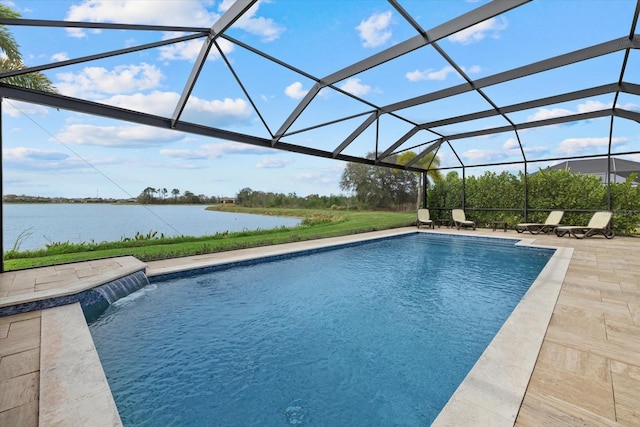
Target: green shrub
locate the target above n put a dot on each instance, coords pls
(500, 197)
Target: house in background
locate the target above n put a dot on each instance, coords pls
(620, 169)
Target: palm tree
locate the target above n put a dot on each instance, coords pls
(433, 173)
(12, 59)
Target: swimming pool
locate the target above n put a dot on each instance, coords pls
(374, 334)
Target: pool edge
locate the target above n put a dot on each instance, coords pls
(493, 391)
(73, 386)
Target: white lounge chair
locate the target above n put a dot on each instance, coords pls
(552, 221)
(599, 224)
(460, 219)
(424, 218)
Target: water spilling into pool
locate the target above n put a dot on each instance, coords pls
(123, 286)
(380, 333)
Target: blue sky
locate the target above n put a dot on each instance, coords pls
(51, 152)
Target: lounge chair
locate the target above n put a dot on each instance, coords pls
(552, 221)
(599, 224)
(424, 218)
(460, 220)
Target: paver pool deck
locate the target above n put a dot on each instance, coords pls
(585, 367)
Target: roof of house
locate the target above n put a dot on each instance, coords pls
(620, 169)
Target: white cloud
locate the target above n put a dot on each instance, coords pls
(93, 82)
(219, 149)
(182, 154)
(589, 106)
(273, 163)
(511, 144)
(578, 145)
(509, 149)
(375, 30)
(548, 113)
(597, 105)
(189, 50)
(295, 91)
(354, 87)
(27, 153)
(475, 33)
(37, 159)
(475, 154)
(157, 103)
(117, 136)
(441, 74)
(214, 151)
(168, 12)
(474, 69)
(266, 28)
(59, 162)
(586, 107)
(217, 112)
(60, 56)
(318, 177)
(213, 112)
(17, 108)
(430, 74)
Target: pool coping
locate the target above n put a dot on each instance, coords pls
(73, 386)
(81, 282)
(493, 391)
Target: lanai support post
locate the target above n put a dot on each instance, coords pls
(464, 189)
(608, 181)
(424, 190)
(526, 192)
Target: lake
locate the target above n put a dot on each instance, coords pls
(76, 223)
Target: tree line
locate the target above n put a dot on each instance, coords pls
(151, 195)
(368, 187)
(250, 198)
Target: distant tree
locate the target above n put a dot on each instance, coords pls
(147, 195)
(175, 192)
(379, 187)
(12, 58)
(190, 197)
(244, 196)
(356, 178)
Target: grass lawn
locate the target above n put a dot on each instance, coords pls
(317, 224)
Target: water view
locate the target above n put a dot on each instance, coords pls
(47, 223)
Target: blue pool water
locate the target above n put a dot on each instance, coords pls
(374, 334)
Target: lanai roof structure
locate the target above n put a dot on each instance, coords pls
(511, 113)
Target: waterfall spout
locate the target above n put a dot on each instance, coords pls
(123, 286)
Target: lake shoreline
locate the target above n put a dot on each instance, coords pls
(37, 225)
